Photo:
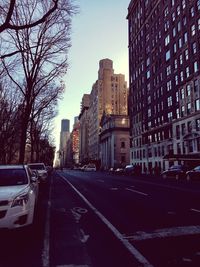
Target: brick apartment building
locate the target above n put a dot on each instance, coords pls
(164, 81)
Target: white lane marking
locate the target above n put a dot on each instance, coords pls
(166, 232)
(77, 213)
(140, 258)
(114, 188)
(72, 265)
(83, 237)
(46, 247)
(195, 210)
(102, 181)
(138, 192)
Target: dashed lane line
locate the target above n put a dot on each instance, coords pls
(195, 210)
(138, 192)
(140, 258)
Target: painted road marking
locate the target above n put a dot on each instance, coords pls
(140, 258)
(195, 210)
(102, 181)
(138, 192)
(114, 188)
(77, 213)
(166, 232)
(72, 265)
(46, 248)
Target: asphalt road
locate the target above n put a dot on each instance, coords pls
(93, 219)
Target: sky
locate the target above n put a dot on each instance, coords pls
(99, 30)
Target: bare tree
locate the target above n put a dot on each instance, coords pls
(42, 60)
(9, 8)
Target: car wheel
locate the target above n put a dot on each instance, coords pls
(188, 178)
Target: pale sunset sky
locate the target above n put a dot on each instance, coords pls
(99, 30)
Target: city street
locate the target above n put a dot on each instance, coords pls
(102, 220)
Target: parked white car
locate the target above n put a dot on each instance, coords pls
(90, 167)
(18, 196)
(41, 169)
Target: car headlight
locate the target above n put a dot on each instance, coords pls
(20, 200)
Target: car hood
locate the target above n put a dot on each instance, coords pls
(9, 192)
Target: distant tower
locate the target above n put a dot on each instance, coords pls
(64, 137)
(65, 125)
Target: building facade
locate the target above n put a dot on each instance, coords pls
(64, 137)
(83, 129)
(164, 80)
(109, 95)
(114, 141)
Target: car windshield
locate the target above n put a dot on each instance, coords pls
(197, 168)
(36, 166)
(12, 177)
(176, 167)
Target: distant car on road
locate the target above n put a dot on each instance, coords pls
(175, 171)
(18, 196)
(90, 167)
(41, 169)
(193, 174)
(129, 170)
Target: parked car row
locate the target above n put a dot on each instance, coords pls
(181, 172)
(127, 170)
(19, 189)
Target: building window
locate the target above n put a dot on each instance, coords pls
(169, 85)
(177, 97)
(188, 108)
(193, 30)
(169, 116)
(169, 101)
(175, 48)
(182, 93)
(182, 77)
(194, 48)
(177, 113)
(185, 37)
(188, 90)
(167, 40)
(167, 55)
(181, 59)
(168, 70)
(192, 11)
(183, 4)
(197, 104)
(175, 64)
(187, 72)
(196, 67)
(182, 111)
(196, 86)
(183, 129)
(176, 80)
(197, 124)
(177, 131)
(186, 54)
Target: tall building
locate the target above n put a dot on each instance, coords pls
(75, 141)
(64, 137)
(65, 125)
(164, 93)
(109, 94)
(83, 129)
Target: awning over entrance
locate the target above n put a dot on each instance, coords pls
(183, 157)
